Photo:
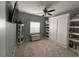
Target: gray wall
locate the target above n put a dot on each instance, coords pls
(26, 18)
(2, 29)
(10, 31)
(10, 39)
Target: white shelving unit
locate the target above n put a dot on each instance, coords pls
(47, 28)
(75, 40)
(73, 20)
(20, 33)
(74, 26)
(74, 34)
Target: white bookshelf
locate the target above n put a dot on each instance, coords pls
(72, 20)
(74, 26)
(47, 31)
(47, 28)
(75, 40)
(74, 33)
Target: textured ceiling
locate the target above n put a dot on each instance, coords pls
(36, 7)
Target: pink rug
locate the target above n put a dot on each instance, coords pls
(46, 48)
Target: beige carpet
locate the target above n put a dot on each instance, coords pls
(43, 48)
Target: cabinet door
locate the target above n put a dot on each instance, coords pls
(52, 29)
(62, 29)
(10, 39)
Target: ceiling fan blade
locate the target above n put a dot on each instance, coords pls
(49, 14)
(51, 10)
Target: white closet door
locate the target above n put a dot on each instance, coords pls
(62, 29)
(10, 39)
(52, 29)
(58, 29)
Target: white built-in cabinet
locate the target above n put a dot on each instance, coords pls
(58, 29)
(20, 33)
(10, 39)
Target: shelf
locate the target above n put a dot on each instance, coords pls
(47, 34)
(74, 20)
(46, 27)
(74, 26)
(47, 31)
(75, 33)
(47, 22)
(75, 40)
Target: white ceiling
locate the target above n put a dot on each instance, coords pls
(36, 7)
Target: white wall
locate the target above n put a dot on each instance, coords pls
(59, 29)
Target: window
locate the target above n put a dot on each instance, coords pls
(34, 27)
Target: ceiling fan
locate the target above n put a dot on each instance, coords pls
(47, 12)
